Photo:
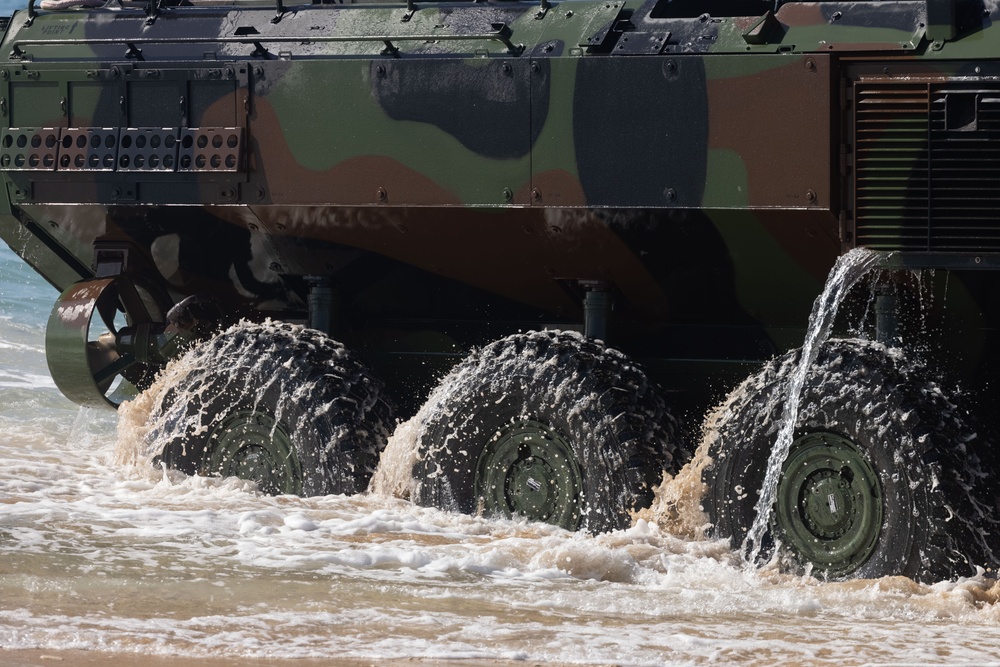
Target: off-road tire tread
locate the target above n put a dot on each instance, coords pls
(621, 431)
(335, 411)
(856, 386)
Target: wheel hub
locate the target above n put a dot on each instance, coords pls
(530, 470)
(829, 503)
(253, 446)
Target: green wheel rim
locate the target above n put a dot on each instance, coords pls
(253, 446)
(529, 470)
(829, 504)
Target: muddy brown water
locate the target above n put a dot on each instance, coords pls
(104, 558)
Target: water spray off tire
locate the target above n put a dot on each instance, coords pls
(278, 404)
(546, 426)
(881, 478)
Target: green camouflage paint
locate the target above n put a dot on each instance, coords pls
(458, 170)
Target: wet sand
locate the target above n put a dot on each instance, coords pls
(45, 658)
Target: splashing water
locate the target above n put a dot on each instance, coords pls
(128, 564)
(320, 394)
(848, 270)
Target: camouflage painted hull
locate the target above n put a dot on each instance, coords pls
(458, 171)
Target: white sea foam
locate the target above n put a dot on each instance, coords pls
(139, 560)
(17, 380)
(127, 558)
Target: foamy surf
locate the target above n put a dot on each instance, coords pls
(136, 559)
(106, 553)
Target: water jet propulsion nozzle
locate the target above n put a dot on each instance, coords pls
(102, 366)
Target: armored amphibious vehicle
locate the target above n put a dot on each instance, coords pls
(589, 221)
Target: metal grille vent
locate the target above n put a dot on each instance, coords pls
(927, 166)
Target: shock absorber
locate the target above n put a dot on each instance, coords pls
(322, 304)
(597, 306)
(886, 316)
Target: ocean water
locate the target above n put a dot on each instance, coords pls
(7, 7)
(124, 558)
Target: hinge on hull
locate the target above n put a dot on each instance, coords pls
(642, 43)
(601, 24)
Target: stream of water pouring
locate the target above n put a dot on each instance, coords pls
(848, 270)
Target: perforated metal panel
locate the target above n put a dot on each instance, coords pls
(133, 149)
(29, 148)
(148, 149)
(211, 149)
(88, 149)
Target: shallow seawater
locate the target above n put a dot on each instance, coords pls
(129, 559)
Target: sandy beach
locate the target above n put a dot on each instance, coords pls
(46, 658)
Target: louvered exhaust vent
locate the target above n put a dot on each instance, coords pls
(927, 166)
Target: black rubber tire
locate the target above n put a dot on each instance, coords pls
(934, 522)
(318, 394)
(592, 397)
